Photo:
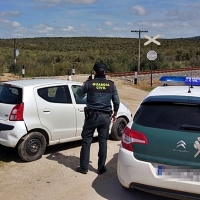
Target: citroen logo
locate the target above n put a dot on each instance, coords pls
(180, 147)
(181, 143)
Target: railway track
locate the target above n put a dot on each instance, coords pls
(132, 73)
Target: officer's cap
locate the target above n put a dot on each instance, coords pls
(99, 67)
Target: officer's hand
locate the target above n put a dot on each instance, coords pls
(114, 117)
(89, 78)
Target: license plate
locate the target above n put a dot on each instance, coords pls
(179, 173)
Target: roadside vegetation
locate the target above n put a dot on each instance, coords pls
(58, 56)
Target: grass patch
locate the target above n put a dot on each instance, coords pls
(147, 88)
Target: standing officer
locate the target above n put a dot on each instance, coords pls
(98, 115)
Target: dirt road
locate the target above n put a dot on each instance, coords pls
(53, 176)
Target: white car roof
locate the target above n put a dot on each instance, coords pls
(39, 82)
(176, 91)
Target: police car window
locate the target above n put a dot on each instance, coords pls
(166, 116)
(56, 94)
(79, 97)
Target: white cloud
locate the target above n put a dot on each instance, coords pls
(49, 1)
(185, 25)
(70, 1)
(18, 34)
(8, 14)
(2, 14)
(5, 21)
(109, 23)
(81, 1)
(69, 28)
(43, 28)
(49, 28)
(129, 23)
(110, 35)
(144, 23)
(183, 14)
(14, 27)
(157, 25)
(197, 6)
(13, 24)
(152, 24)
(16, 24)
(139, 10)
(119, 29)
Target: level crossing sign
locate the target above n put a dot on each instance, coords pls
(152, 55)
(152, 39)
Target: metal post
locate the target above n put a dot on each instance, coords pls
(151, 67)
(14, 52)
(135, 78)
(69, 74)
(73, 70)
(23, 71)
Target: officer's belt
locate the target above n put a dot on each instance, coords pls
(101, 112)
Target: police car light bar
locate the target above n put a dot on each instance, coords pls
(180, 80)
(173, 80)
(192, 81)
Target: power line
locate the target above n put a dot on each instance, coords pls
(139, 32)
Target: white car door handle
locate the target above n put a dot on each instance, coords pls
(81, 110)
(46, 111)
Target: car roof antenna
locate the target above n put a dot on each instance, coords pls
(189, 91)
(191, 86)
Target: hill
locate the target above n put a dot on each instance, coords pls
(55, 56)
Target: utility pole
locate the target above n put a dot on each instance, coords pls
(139, 32)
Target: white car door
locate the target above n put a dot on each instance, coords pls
(79, 104)
(56, 111)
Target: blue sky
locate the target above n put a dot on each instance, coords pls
(99, 18)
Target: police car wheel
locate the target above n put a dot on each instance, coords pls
(117, 129)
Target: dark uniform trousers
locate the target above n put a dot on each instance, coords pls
(101, 122)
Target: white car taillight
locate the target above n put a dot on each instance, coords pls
(17, 113)
(130, 137)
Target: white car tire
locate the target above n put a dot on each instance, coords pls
(117, 129)
(32, 146)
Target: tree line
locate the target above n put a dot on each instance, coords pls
(56, 56)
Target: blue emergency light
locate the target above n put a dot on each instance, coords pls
(180, 80)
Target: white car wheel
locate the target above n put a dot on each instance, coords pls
(32, 146)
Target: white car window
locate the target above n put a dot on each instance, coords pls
(56, 94)
(80, 98)
(10, 94)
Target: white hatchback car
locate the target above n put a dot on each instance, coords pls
(160, 149)
(36, 113)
